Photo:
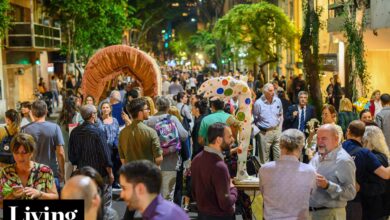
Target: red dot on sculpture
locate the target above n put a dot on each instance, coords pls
(224, 82)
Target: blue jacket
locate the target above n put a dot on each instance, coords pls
(293, 122)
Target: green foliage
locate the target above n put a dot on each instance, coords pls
(203, 41)
(179, 47)
(260, 27)
(5, 19)
(91, 24)
(355, 50)
(150, 14)
(310, 35)
(310, 51)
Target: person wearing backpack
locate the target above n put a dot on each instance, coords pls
(12, 127)
(138, 141)
(182, 105)
(171, 132)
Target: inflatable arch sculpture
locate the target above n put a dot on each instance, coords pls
(110, 62)
(227, 87)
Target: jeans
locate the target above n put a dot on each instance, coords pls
(58, 184)
(55, 97)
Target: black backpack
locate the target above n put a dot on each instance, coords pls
(186, 121)
(252, 165)
(5, 149)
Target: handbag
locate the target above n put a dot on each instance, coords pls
(252, 165)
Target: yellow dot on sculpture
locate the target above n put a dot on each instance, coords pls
(241, 116)
(245, 89)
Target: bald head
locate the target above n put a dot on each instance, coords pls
(80, 187)
(331, 128)
(327, 138)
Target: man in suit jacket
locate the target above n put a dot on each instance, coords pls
(299, 114)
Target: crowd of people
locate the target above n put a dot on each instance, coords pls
(168, 151)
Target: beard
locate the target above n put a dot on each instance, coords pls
(132, 204)
(322, 149)
(225, 146)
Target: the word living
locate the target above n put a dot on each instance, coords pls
(43, 209)
(43, 215)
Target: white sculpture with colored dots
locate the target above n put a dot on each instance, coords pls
(226, 88)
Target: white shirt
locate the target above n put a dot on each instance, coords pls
(192, 82)
(378, 107)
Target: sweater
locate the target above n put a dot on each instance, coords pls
(211, 185)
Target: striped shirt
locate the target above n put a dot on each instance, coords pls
(88, 147)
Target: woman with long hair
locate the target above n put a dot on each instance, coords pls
(150, 103)
(111, 128)
(69, 118)
(375, 103)
(346, 114)
(11, 128)
(376, 191)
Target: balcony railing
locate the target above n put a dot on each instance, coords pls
(24, 35)
(376, 14)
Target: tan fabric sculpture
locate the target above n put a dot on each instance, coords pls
(109, 62)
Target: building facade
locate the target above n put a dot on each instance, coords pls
(376, 39)
(27, 53)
